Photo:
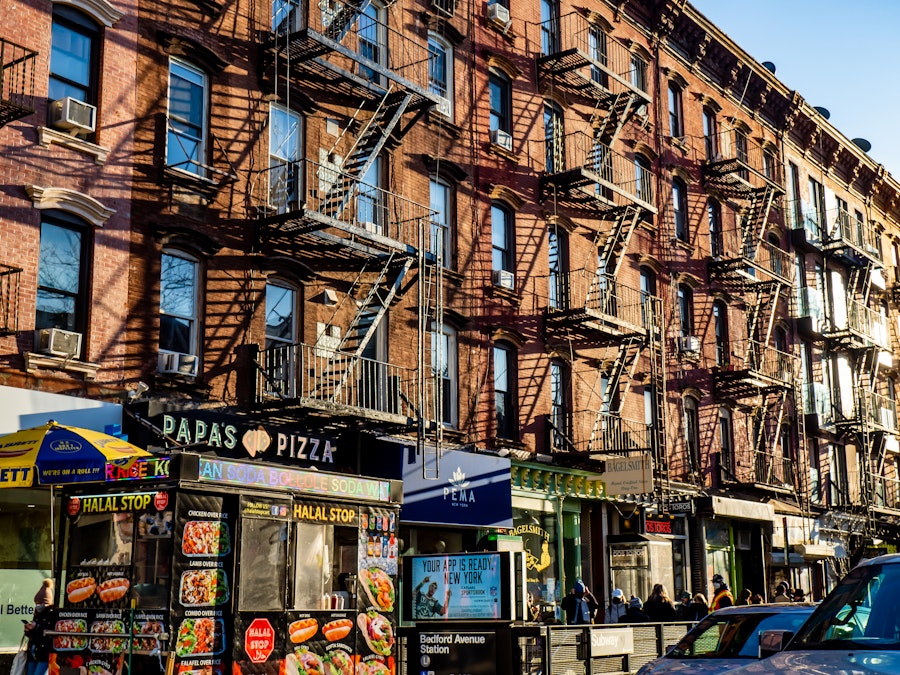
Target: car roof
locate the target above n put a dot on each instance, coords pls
(887, 559)
(768, 608)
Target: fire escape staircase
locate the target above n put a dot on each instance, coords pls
(611, 253)
(627, 358)
(618, 111)
(365, 150)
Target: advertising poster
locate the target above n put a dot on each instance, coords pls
(17, 589)
(321, 641)
(448, 653)
(376, 592)
(202, 569)
(458, 586)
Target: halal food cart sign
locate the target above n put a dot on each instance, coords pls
(259, 640)
(297, 480)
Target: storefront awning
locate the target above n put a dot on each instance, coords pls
(737, 508)
(455, 488)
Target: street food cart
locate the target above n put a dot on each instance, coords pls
(219, 567)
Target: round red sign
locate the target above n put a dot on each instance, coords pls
(161, 500)
(73, 507)
(259, 640)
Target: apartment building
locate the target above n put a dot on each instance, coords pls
(587, 276)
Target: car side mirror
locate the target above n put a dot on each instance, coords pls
(773, 641)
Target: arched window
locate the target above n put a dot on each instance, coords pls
(720, 323)
(505, 391)
(440, 72)
(680, 209)
(638, 72)
(643, 179)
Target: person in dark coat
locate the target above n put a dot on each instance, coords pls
(39, 643)
(659, 606)
(699, 608)
(683, 608)
(579, 605)
(634, 614)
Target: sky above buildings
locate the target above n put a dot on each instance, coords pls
(840, 55)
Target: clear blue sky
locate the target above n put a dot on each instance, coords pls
(843, 55)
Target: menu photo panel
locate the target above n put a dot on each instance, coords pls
(376, 619)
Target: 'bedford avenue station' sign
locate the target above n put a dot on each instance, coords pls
(234, 437)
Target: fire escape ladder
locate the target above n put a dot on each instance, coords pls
(775, 419)
(656, 354)
(761, 315)
(430, 381)
(343, 18)
(609, 127)
(364, 151)
(616, 243)
(754, 226)
(606, 413)
(859, 285)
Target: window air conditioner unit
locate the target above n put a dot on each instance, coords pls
(498, 14)
(504, 279)
(689, 344)
(72, 115)
(176, 363)
(444, 107)
(501, 138)
(58, 342)
(369, 226)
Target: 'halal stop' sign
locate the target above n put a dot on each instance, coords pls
(259, 640)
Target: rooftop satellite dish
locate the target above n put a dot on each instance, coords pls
(768, 65)
(823, 112)
(862, 144)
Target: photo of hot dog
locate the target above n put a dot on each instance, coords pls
(378, 587)
(79, 590)
(377, 631)
(337, 629)
(303, 630)
(113, 589)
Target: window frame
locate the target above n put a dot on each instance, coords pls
(676, 110)
(710, 134)
(450, 401)
(560, 404)
(444, 89)
(720, 329)
(716, 235)
(550, 27)
(442, 227)
(500, 92)
(379, 44)
(554, 138)
(81, 297)
(286, 163)
(275, 340)
(691, 408)
(507, 426)
(680, 210)
(198, 162)
(557, 265)
(502, 250)
(685, 310)
(726, 439)
(193, 318)
(77, 22)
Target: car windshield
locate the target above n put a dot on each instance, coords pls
(862, 612)
(734, 636)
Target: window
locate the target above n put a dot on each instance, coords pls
(441, 205)
(284, 153)
(62, 292)
(502, 238)
(444, 369)
(676, 117)
(692, 432)
(281, 304)
(178, 288)
(720, 325)
(680, 209)
(711, 134)
(557, 282)
(74, 56)
(186, 144)
(554, 138)
(371, 210)
(648, 293)
(440, 72)
(770, 164)
(726, 441)
(599, 53)
(714, 216)
(741, 151)
(777, 255)
(643, 179)
(500, 103)
(638, 72)
(685, 310)
(559, 405)
(372, 43)
(504, 391)
(549, 26)
(794, 195)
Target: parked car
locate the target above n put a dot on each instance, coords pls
(727, 639)
(856, 629)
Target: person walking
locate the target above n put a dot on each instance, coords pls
(579, 605)
(723, 596)
(39, 643)
(659, 606)
(617, 607)
(634, 613)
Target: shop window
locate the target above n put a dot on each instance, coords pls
(263, 566)
(62, 275)
(325, 563)
(178, 295)
(505, 392)
(186, 144)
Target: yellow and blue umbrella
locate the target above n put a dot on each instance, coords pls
(55, 454)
